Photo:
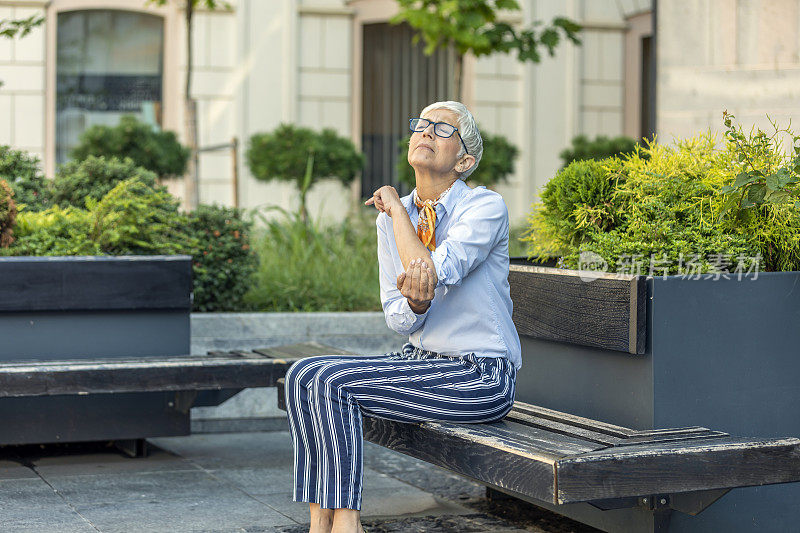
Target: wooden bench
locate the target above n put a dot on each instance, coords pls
(549, 457)
(186, 376)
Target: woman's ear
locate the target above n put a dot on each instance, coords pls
(466, 163)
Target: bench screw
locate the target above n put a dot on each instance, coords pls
(663, 501)
(644, 500)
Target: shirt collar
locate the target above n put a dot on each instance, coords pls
(448, 201)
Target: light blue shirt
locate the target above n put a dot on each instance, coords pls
(471, 309)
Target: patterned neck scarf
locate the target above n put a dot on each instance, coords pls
(426, 227)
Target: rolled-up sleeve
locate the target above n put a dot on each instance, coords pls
(470, 240)
(399, 315)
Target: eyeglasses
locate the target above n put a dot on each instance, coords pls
(441, 129)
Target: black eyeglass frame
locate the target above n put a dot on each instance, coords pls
(455, 130)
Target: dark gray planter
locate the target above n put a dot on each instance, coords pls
(56, 308)
(723, 354)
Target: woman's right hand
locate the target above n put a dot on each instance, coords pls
(384, 199)
(418, 285)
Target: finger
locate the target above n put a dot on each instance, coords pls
(415, 286)
(370, 201)
(431, 282)
(423, 281)
(400, 279)
(406, 290)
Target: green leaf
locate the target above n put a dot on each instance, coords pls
(756, 193)
(743, 178)
(726, 189)
(779, 197)
(772, 182)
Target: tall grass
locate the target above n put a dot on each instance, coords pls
(310, 267)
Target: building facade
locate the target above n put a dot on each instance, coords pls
(339, 64)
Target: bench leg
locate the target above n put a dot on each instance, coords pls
(132, 447)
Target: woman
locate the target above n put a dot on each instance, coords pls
(444, 282)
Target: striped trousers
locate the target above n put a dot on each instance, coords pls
(326, 396)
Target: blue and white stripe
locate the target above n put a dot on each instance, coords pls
(326, 395)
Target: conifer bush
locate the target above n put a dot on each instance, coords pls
(156, 150)
(23, 173)
(667, 206)
(94, 177)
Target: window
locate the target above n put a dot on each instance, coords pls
(108, 64)
(398, 82)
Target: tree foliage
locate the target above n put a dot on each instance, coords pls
(303, 156)
(473, 26)
(157, 151)
(91, 179)
(600, 147)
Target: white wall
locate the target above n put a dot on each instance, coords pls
(22, 95)
(268, 62)
(743, 56)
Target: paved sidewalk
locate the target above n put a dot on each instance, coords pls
(225, 482)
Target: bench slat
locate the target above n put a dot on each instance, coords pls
(642, 437)
(486, 460)
(89, 376)
(304, 349)
(677, 467)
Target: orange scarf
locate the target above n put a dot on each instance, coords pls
(426, 227)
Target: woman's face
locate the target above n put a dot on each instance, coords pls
(433, 153)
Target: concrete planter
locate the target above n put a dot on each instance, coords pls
(724, 354)
(57, 308)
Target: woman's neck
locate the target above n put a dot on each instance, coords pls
(430, 187)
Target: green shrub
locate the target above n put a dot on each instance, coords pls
(22, 172)
(497, 162)
(601, 147)
(157, 151)
(8, 214)
(301, 155)
(54, 231)
(136, 219)
(580, 200)
(307, 267)
(132, 219)
(669, 204)
(224, 262)
(78, 181)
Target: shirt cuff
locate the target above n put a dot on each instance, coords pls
(439, 257)
(409, 313)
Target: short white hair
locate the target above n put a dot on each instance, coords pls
(467, 127)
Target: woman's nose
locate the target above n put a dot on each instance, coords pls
(428, 131)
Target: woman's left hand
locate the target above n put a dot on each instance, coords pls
(418, 285)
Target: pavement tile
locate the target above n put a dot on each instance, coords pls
(375, 503)
(109, 462)
(14, 470)
(140, 486)
(231, 450)
(276, 480)
(212, 512)
(431, 524)
(31, 506)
